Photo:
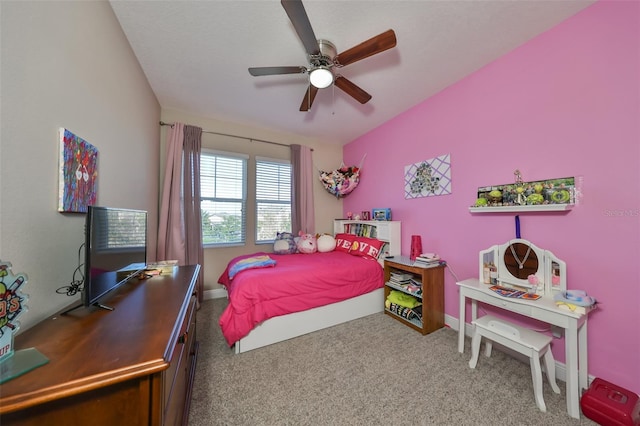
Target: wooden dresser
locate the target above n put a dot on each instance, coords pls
(133, 365)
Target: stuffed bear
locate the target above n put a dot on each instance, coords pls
(284, 243)
(307, 243)
(326, 243)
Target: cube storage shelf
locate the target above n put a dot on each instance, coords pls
(432, 279)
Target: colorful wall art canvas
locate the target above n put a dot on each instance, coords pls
(78, 173)
(428, 178)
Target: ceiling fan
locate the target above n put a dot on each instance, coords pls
(324, 58)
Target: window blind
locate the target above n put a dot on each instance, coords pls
(273, 198)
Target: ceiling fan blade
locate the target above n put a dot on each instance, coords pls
(374, 45)
(352, 90)
(309, 96)
(258, 71)
(300, 20)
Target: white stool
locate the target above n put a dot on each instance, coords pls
(522, 340)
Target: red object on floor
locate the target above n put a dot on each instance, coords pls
(610, 405)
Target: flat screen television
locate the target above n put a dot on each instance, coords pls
(115, 250)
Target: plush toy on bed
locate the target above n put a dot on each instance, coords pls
(307, 243)
(326, 243)
(285, 243)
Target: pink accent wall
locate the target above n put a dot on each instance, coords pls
(566, 103)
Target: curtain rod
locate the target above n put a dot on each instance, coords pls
(162, 123)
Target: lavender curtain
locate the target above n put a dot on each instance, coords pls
(194, 254)
(179, 229)
(170, 230)
(302, 209)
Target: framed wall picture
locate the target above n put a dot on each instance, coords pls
(381, 214)
(78, 177)
(428, 178)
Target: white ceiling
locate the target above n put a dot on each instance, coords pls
(196, 55)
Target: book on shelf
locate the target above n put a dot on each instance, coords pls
(400, 276)
(407, 287)
(400, 283)
(361, 229)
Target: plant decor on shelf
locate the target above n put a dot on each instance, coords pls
(520, 193)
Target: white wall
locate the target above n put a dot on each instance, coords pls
(326, 156)
(68, 64)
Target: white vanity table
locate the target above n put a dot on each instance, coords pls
(515, 261)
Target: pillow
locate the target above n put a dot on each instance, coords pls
(284, 243)
(344, 241)
(368, 248)
(307, 244)
(326, 243)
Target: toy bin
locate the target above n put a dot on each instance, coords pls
(610, 405)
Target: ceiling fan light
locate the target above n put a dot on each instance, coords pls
(321, 77)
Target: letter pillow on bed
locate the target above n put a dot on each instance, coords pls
(262, 261)
(344, 242)
(369, 248)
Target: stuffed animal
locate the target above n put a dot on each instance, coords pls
(326, 243)
(284, 243)
(307, 243)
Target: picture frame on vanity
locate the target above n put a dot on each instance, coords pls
(381, 214)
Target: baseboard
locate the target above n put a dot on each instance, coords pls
(561, 369)
(216, 293)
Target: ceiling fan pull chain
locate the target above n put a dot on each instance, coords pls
(333, 99)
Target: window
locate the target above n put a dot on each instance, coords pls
(223, 198)
(273, 198)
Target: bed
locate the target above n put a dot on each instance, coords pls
(300, 294)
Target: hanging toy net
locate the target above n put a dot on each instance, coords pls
(341, 182)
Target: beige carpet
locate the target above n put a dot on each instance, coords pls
(371, 371)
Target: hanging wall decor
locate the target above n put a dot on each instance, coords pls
(78, 165)
(341, 182)
(428, 178)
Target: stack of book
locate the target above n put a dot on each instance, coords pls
(163, 267)
(407, 282)
(427, 261)
(400, 278)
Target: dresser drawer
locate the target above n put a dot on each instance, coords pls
(179, 357)
(499, 301)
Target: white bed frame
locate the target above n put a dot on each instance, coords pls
(285, 327)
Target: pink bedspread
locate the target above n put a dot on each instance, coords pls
(296, 283)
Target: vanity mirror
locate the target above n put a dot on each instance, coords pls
(518, 259)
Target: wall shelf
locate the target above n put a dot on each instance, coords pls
(523, 209)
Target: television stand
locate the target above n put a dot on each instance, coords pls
(101, 306)
(97, 305)
(135, 363)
